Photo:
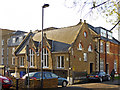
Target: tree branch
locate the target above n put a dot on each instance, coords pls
(99, 4)
(115, 25)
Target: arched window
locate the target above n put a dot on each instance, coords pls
(80, 46)
(90, 48)
(32, 58)
(45, 58)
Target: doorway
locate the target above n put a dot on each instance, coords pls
(91, 67)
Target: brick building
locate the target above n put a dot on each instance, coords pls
(79, 48)
(5, 34)
(65, 49)
(109, 50)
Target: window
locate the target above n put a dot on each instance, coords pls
(7, 60)
(32, 57)
(109, 35)
(101, 46)
(60, 61)
(101, 65)
(13, 60)
(2, 42)
(13, 50)
(17, 39)
(85, 34)
(8, 41)
(47, 75)
(90, 48)
(13, 40)
(2, 51)
(21, 61)
(80, 46)
(45, 58)
(20, 39)
(107, 47)
(103, 32)
(2, 61)
(115, 65)
(85, 56)
(7, 51)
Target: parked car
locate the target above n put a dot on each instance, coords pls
(6, 82)
(98, 76)
(47, 75)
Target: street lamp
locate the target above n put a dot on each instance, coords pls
(44, 6)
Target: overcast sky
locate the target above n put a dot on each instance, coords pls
(26, 15)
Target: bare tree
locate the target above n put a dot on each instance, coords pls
(108, 9)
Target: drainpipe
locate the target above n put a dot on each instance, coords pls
(99, 55)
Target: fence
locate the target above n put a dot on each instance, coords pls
(47, 83)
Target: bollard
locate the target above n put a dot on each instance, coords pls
(17, 83)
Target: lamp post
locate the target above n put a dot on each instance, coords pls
(44, 6)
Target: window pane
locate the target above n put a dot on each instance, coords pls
(47, 61)
(58, 61)
(62, 61)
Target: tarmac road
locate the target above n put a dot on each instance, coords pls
(105, 85)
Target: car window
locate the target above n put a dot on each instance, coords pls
(37, 75)
(47, 75)
(54, 75)
(31, 74)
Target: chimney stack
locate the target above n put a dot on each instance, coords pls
(84, 21)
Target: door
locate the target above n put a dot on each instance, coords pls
(91, 67)
(107, 69)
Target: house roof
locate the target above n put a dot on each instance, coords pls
(97, 30)
(65, 35)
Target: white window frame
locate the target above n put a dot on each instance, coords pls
(115, 65)
(21, 61)
(2, 42)
(45, 58)
(8, 41)
(101, 47)
(103, 32)
(7, 51)
(13, 60)
(85, 56)
(2, 51)
(2, 60)
(107, 47)
(101, 65)
(90, 48)
(7, 60)
(80, 46)
(13, 40)
(20, 38)
(109, 35)
(59, 65)
(13, 50)
(31, 55)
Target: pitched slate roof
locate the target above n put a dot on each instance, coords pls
(97, 30)
(21, 47)
(65, 35)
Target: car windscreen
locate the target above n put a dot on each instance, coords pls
(30, 75)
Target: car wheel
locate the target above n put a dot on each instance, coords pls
(101, 79)
(108, 78)
(64, 84)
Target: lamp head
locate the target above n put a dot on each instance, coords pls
(45, 5)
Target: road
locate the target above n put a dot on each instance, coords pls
(106, 85)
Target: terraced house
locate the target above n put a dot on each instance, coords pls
(65, 50)
(9, 41)
(5, 34)
(108, 47)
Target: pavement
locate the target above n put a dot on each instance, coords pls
(106, 85)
